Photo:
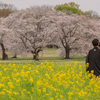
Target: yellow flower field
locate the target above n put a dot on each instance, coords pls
(47, 81)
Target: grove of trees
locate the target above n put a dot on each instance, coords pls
(6, 9)
(32, 29)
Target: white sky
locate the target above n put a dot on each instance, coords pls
(85, 5)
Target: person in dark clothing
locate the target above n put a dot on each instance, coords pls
(93, 59)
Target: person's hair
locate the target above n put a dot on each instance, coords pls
(99, 44)
(95, 42)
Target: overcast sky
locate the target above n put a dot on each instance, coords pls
(85, 5)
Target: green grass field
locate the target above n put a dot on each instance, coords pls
(49, 54)
(58, 60)
(50, 78)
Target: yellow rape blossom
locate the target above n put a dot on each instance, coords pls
(48, 81)
(44, 89)
(2, 93)
(39, 91)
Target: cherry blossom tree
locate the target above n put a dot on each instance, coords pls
(36, 27)
(30, 27)
(76, 34)
(5, 39)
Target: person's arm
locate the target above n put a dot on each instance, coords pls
(87, 62)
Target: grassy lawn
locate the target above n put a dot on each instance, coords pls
(48, 54)
(58, 60)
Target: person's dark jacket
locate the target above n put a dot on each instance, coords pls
(93, 58)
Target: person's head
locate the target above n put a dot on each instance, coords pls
(99, 44)
(95, 42)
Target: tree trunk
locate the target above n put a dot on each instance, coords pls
(4, 55)
(15, 56)
(67, 52)
(36, 57)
